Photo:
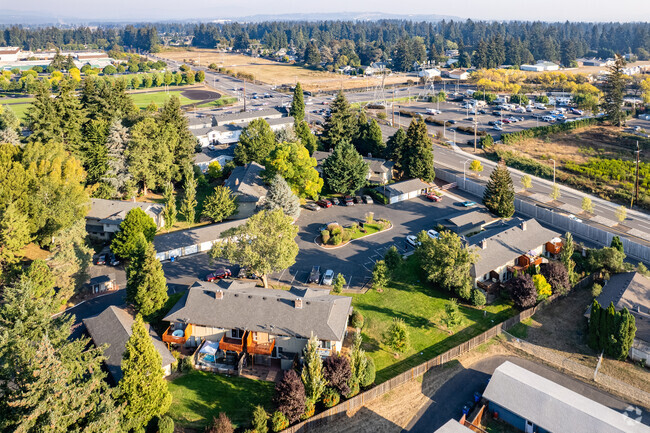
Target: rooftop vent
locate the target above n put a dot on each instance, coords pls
(484, 244)
(524, 226)
(297, 303)
(218, 294)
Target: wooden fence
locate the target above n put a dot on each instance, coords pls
(360, 400)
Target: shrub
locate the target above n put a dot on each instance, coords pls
(187, 364)
(392, 258)
(279, 422)
(540, 131)
(177, 356)
(368, 376)
(452, 312)
(331, 397)
(260, 420)
(596, 290)
(345, 236)
(335, 229)
(325, 236)
(557, 276)
(377, 196)
(220, 425)
(354, 390)
(397, 336)
(337, 373)
(310, 408)
(214, 170)
(336, 240)
(477, 298)
(339, 282)
(543, 288)
(356, 320)
(165, 424)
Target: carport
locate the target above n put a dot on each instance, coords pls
(404, 190)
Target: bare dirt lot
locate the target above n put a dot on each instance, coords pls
(276, 73)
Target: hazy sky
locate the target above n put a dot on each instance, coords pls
(547, 10)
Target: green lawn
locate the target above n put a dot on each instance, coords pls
(198, 396)
(369, 227)
(143, 99)
(18, 109)
(422, 308)
(218, 103)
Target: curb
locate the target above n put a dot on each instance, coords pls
(351, 240)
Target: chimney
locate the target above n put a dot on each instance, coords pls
(297, 303)
(484, 244)
(524, 226)
(218, 294)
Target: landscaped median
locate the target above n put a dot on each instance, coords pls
(335, 235)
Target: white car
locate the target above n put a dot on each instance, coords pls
(412, 241)
(497, 128)
(328, 277)
(433, 234)
(575, 218)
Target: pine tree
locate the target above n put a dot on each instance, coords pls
(617, 243)
(345, 171)
(374, 140)
(142, 389)
(297, 109)
(499, 196)
(380, 277)
(594, 325)
(312, 371)
(125, 240)
(188, 206)
(70, 116)
(117, 174)
(149, 156)
(307, 138)
(340, 124)
(169, 213)
(181, 142)
(42, 117)
(566, 257)
(417, 160)
(614, 90)
(395, 147)
(219, 205)
(360, 140)
(146, 286)
(280, 196)
(260, 420)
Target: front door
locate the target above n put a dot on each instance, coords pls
(529, 427)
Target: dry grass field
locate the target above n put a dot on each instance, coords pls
(276, 73)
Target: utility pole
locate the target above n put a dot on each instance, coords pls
(244, 94)
(636, 188)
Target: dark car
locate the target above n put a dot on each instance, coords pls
(335, 201)
(324, 203)
(101, 259)
(452, 121)
(314, 275)
(497, 113)
(112, 260)
(348, 201)
(358, 199)
(482, 111)
(218, 274)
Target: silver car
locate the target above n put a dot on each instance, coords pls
(328, 277)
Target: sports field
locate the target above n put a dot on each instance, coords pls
(276, 73)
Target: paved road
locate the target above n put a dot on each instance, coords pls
(448, 401)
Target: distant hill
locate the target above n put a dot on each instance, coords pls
(345, 16)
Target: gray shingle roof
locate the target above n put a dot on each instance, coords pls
(453, 426)
(113, 327)
(197, 132)
(552, 406)
(247, 307)
(246, 182)
(632, 291)
(194, 236)
(507, 242)
(207, 155)
(463, 221)
(406, 186)
(114, 211)
(196, 121)
(379, 165)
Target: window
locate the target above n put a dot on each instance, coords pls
(326, 344)
(237, 333)
(486, 277)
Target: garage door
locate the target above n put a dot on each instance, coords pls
(205, 246)
(192, 249)
(175, 253)
(161, 256)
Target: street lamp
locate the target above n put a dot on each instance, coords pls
(553, 171)
(464, 178)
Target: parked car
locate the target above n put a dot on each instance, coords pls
(324, 203)
(433, 197)
(335, 201)
(468, 203)
(497, 113)
(219, 274)
(358, 199)
(433, 234)
(314, 275)
(452, 121)
(328, 278)
(348, 201)
(112, 260)
(575, 218)
(312, 206)
(368, 199)
(578, 112)
(412, 241)
(497, 128)
(101, 260)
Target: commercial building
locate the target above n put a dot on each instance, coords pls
(9, 54)
(404, 190)
(540, 66)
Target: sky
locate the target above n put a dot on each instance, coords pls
(528, 10)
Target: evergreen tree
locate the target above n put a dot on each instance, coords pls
(611, 330)
(146, 287)
(594, 325)
(625, 333)
(148, 153)
(41, 116)
(14, 235)
(307, 138)
(219, 205)
(617, 243)
(280, 196)
(358, 364)
(188, 206)
(614, 91)
(499, 195)
(181, 142)
(70, 116)
(374, 140)
(345, 171)
(566, 257)
(169, 213)
(603, 329)
(417, 161)
(297, 104)
(260, 420)
(380, 277)
(360, 140)
(117, 174)
(395, 147)
(125, 240)
(312, 371)
(256, 142)
(142, 389)
(340, 125)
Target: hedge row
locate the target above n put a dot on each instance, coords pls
(540, 131)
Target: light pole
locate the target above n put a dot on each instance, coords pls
(553, 171)
(464, 178)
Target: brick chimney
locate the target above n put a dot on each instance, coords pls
(297, 303)
(524, 226)
(218, 294)
(484, 244)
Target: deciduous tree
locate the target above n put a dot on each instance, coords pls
(337, 373)
(522, 291)
(526, 182)
(219, 205)
(557, 276)
(587, 205)
(290, 396)
(293, 163)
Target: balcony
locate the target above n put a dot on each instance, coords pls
(234, 344)
(177, 333)
(524, 262)
(255, 348)
(554, 247)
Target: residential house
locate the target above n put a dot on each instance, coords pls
(452, 53)
(532, 403)
(451, 62)
(191, 241)
(105, 216)
(508, 248)
(112, 327)
(404, 190)
(247, 185)
(631, 290)
(540, 66)
(103, 283)
(220, 154)
(272, 324)
(453, 426)
(9, 54)
(458, 74)
(471, 222)
(229, 133)
(379, 170)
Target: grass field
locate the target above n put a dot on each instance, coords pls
(142, 100)
(221, 102)
(198, 396)
(423, 309)
(18, 105)
(276, 73)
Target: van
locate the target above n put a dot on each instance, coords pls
(540, 106)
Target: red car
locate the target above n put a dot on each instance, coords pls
(324, 203)
(433, 197)
(219, 274)
(348, 201)
(506, 121)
